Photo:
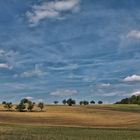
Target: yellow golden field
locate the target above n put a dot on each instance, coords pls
(99, 116)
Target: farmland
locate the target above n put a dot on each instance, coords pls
(107, 122)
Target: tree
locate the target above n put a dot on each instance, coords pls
(20, 107)
(56, 102)
(4, 102)
(100, 102)
(92, 102)
(41, 105)
(85, 102)
(64, 101)
(71, 102)
(81, 102)
(30, 106)
(24, 100)
(8, 105)
(25, 104)
(134, 99)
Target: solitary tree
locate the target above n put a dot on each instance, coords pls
(64, 101)
(100, 102)
(4, 102)
(56, 102)
(41, 105)
(92, 102)
(81, 102)
(71, 102)
(85, 102)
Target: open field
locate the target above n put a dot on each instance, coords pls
(114, 116)
(97, 122)
(24, 132)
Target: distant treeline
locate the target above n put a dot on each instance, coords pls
(131, 100)
(28, 105)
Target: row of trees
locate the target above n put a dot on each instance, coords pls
(27, 105)
(131, 100)
(71, 102)
(24, 105)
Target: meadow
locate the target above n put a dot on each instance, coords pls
(59, 122)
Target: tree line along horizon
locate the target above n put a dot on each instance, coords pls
(27, 105)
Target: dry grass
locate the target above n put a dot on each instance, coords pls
(85, 116)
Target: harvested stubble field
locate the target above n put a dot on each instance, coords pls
(97, 122)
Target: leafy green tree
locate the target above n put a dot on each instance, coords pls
(41, 105)
(8, 105)
(92, 102)
(24, 100)
(64, 101)
(30, 105)
(135, 99)
(21, 107)
(56, 102)
(4, 102)
(100, 102)
(81, 102)
(71, 102)
(24, 105)
(84, 102)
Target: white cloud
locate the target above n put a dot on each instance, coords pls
(109, 94)
(68, 67)
(136, 93)
(36, 72)
(4, 66)
(39, 100)
(29, 98)
(9, 57)
(105, 85)
(85, 78)
(133, 78)
(65, 92)
(2, 52)
(52, 9)
(134, 34)
(89, 78)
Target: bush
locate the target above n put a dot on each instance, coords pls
(71, 102)
(41, 105)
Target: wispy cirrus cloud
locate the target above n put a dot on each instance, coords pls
(9, 57)
(35, 72)
(52, 9)
(64, 92)
(66, 67)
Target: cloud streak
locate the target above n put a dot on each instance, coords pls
(36, 72)
(53, 9)
(134, 34)
(63, 93)
(4, 66)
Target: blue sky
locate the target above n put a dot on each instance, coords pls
(56, 49)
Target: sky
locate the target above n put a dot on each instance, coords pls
(58, 49)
